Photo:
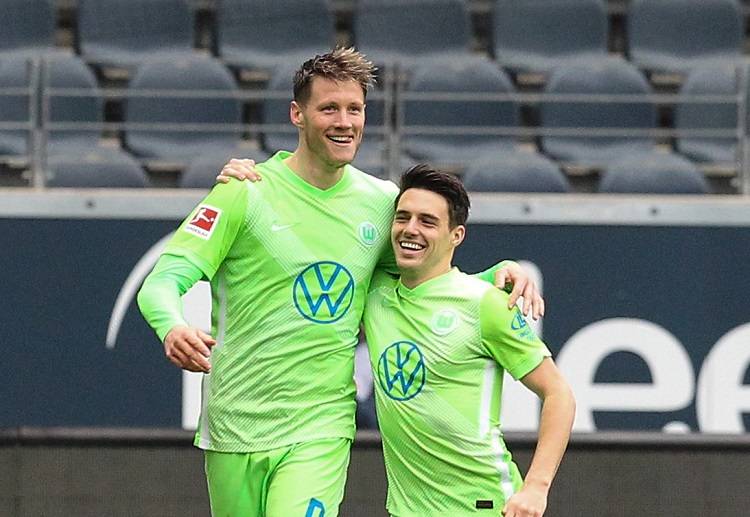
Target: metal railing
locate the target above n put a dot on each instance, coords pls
(395, 129)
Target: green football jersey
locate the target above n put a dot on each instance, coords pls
(289, 266)
(438, 353)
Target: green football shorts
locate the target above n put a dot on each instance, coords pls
(301, 480)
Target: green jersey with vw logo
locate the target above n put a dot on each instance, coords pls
(289, 266)
(438, 353)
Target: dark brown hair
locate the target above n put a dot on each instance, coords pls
(443, 183)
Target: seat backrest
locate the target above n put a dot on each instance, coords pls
(71, 73)
(275, 26)
(276, 110)
(96, 169)
(411, 26)
(209, 100)
(611, 78)
(550, 28)
(708, 80)
(684, 28)
(15, 73)
(202, 171)
(27, 24)
(470, 76)
(654, 174)
(135, 25)
(515, 172)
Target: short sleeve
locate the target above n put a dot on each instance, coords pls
(208, 233)
(508, 337)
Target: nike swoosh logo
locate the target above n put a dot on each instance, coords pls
(279, 227)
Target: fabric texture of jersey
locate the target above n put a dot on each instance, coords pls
(438, 354)
(289, 266)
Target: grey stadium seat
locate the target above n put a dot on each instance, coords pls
(209, 87)
(70, 72)
(15, 73)
(472, 77)
(675, 35)
(653, 173)
(97, 168)
(202, 171)
(537, 35)
(28, 26)
(613, 77)
(709, 80)
(410, 31)
(262, 33)
(515, 171)
(127, 33)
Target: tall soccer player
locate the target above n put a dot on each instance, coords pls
(439, 342)
(289, 260)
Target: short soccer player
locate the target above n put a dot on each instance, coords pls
(289, 260)
(439, 342)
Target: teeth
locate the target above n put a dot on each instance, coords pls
(340, 139)
(411, 245)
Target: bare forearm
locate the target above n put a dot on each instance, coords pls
(558, 411)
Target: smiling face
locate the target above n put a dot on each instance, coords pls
(331, 122)
(422, 238)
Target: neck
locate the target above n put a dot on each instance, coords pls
(412, 279)
(313, 171)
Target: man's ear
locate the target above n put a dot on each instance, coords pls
(296, 115)
(458, 234)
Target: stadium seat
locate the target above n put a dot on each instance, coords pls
(126, 34)
(15, 73)
(28, 26)
(467, 80)
(202, 171)
(276, 110)
(97, 168)
(654, 173)
(70, 72)
(208, 86)
(612, 78)
(676, 35)
(514, 171)
(262, 34)
(411, 31)
(537, 35)
(711, 80)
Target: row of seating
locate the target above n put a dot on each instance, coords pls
(527, 35)
(503, 171)
(176, 110)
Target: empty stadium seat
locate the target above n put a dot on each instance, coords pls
(711, 80)
(15, 75)
(611, 78)
(410, 31)
(125, 34)
(28, 26)
(467, 80)
(202, 171)
(514, 171)
(654, 173)
(71, 73)
(97, 168)
(204, 91)
(536, 35)
(263, 34)
(675, 35)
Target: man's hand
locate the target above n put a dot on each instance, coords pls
(522, 286)
(189, 348)
(531, 501)
(240, 169)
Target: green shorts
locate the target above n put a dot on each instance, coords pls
(302, 480)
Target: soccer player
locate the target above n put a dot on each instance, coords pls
(289, 259)
(439, 342)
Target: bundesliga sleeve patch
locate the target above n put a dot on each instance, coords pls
(204, 222)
